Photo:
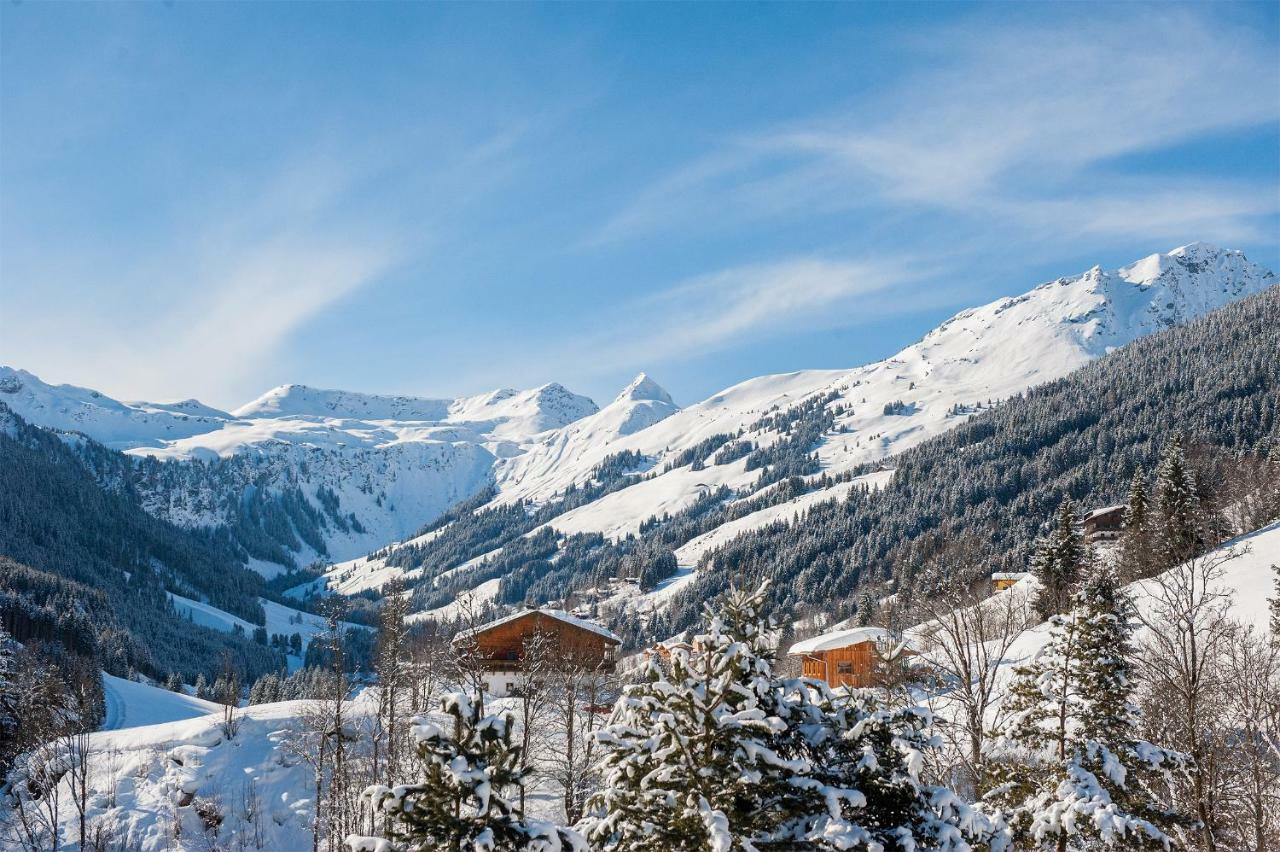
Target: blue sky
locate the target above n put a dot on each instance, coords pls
(209, 200)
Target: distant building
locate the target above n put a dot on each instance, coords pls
(1002, 580)
(1103, 524)
(499, 646)
(662, 651)
(855, 657)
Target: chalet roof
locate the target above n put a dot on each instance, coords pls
(839, 639)
(1010, 575)
(557, 614)
(1105, 510)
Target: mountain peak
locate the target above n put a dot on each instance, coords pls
(1206, 262)
(644, 388)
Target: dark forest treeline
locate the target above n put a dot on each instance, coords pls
(89, 569)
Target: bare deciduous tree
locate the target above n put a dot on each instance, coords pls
(965, 640)
(1181, 653)
(1252, 707)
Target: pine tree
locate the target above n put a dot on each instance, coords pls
(173, 683)
(865, 784)
(1070, 767)
(1176, 525)
(9, 698)
(1135, 537)
(722, 754)
(1274, 606)
(691, 759)
(1057, 563)
(866, 612)
(202, 687)
(463, 801)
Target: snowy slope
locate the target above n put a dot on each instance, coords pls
(1248, 579)
(146, 784)
(133, 705)
(121, 425)
(280, 619)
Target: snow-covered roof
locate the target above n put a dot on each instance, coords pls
(1009, 575)
(1105, 510)
(557, 614)
(839, 639)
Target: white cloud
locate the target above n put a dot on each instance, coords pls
(203, 310)
(1007, 122)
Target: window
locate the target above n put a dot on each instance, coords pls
(844, 668)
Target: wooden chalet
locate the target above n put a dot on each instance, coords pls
(500, 646)
(1103, 524)
(1002, 580)
(855, 657)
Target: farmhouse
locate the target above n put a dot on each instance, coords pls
(1103, 524)
(854, 657)
(500, 646)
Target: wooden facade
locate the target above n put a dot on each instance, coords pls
(860, 657)
(1002, 581)
(855, 665)
(503, 643)
(1103, 524)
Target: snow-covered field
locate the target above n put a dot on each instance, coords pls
(150, 774)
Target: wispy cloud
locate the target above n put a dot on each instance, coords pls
(1009, 123)
(205, 312)
(727, 308)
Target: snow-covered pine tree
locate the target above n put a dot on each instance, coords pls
(1176, 527)
(462, 804)
(1274, 606)
(865, 785)
(1057, 563)
(691, 758)
(1071, 772)
(866, 611)
(722, 755)
(202, 686)
(1135, 537)
(9, 699)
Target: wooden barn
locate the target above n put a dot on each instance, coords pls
(848, 657)
(500, 645)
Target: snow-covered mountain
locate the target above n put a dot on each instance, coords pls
(120, 425)
(395, 463)
(977, 357)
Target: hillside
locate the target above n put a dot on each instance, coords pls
(86, 565)
(999, 476)
(263, 788)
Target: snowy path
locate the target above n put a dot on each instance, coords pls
(133, 705)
